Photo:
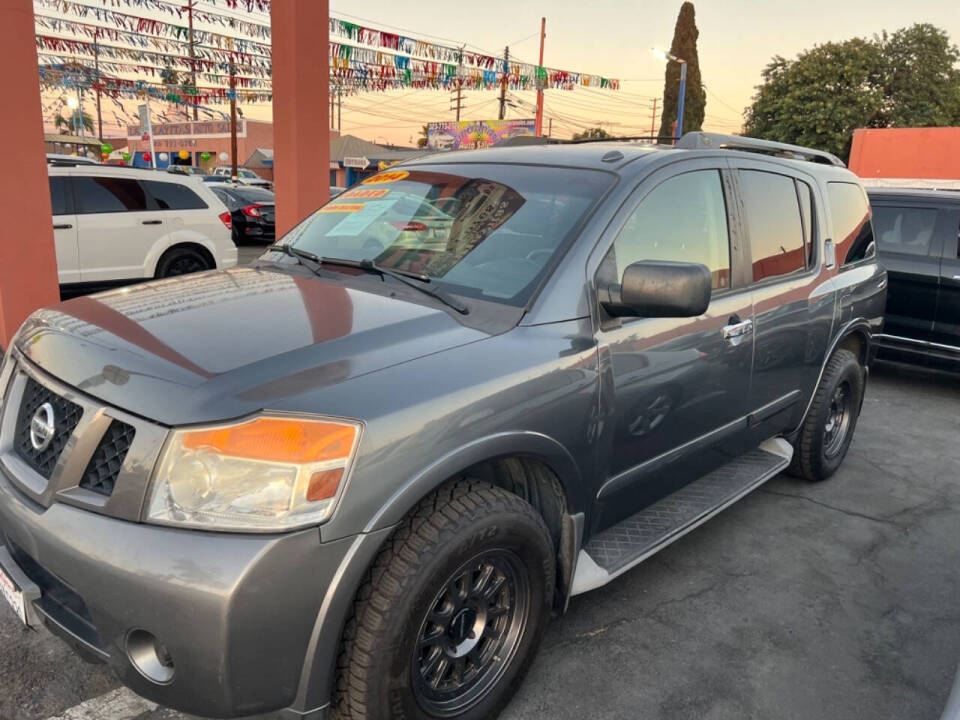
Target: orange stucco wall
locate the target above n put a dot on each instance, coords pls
(932, 153)
(301, 119)
(28, 264)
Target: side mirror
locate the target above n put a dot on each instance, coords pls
(657, 288)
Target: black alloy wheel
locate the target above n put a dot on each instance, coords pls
(838, 420)
(470, 633)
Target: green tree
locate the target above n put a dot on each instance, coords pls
(592, 134)
(66, 124)
(684, 46)
(922, 83)
(819, 99)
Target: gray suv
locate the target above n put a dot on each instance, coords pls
(360, 475)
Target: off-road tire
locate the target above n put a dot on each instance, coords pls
(811, 460)
(181, 261)
(377, 665)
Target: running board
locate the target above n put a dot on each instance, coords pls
(617, 549)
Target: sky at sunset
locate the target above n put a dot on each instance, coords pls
(611, 38)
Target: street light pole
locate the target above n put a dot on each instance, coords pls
(683, 95)
(683, 86)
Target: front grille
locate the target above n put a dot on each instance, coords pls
(66, 415)
(103, 468)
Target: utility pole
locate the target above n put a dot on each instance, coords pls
(233, 118)
(653, 119)
(550, 127)
(96, 70)
(538, 123)
(193, 65)
(503, 82)
(459, 81)
(339, 108)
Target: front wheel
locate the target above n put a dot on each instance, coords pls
(452, 612)
(827, 431)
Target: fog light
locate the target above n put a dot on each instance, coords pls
(149, 656)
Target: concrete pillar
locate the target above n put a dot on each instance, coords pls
(301, 107)
(28, 262)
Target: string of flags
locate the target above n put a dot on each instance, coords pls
(379, 60)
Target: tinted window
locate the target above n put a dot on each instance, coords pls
(254, 195)
(904, 230)
(59, 195)
(479, 230)
(852, 232)
(227, 199)
(108, 195)
(773, 223)
(683, 219)
(173, 196)
(806, 212)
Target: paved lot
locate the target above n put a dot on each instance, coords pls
(839, 600)
(249, 253)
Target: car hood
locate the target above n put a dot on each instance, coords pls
(227, 343)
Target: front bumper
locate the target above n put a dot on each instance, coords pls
(242, 616)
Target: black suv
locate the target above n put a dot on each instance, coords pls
(916, 236)
(362, 473)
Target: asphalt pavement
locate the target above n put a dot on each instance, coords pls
(838, 600)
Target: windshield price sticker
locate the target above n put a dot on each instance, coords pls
(386, 177)
(342, 208)
(365, 193)
(360, 220)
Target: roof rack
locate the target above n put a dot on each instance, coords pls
(716, 141)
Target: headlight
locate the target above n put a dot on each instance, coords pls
(266, 474)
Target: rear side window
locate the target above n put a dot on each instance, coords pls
(904, 229)
(774, 224)
(683, 219)
(60, 195)
(852, 232)
(806, 212)
(174, 196)
(227, 199)
(108, 195)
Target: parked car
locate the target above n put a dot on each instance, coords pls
(116, 225)
(244, 177)
(252, 211)
(186, 170)
(63, 159)
(362, 475)
(916, 235)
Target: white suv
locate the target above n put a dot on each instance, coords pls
(113, 225)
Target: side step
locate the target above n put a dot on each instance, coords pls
(617, 549)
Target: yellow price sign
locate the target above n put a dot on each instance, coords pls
(386, 177)
(342, 208)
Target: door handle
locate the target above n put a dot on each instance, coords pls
(63, 226)
(153, 222)
(735, 333)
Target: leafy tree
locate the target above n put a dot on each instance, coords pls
(922, 83)
(65, 124)
(423, 139)
(907, 79)
(684, 46)
(592, 134)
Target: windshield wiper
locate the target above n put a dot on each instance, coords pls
(402, 276)
(300, 255)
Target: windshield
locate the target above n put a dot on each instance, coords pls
(485, 231)
(246, 173)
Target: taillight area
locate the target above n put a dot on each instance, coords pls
(226, 220)
(252, 210)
